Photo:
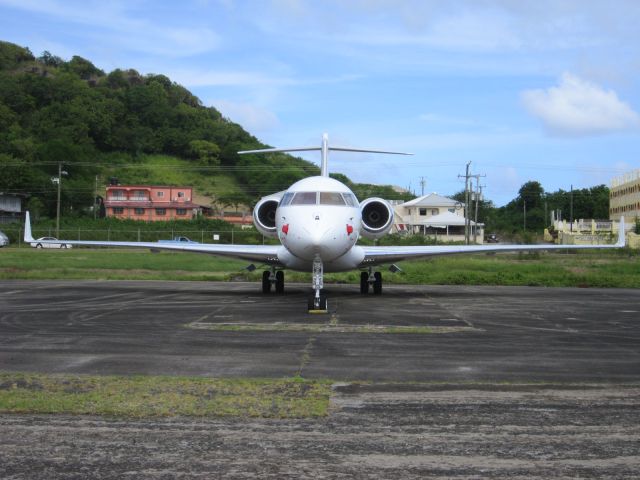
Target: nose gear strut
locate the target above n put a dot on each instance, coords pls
(318, 302)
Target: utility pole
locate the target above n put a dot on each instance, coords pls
(422, 184)
(58, 205)
(466, 203)
(95, 199)
(467, 195)
(571, 209)
(59, 180)
(524, 214)
(478, 198)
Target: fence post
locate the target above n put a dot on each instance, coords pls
(232, 235)
(138, 233)
(108, 234)
(201, 236)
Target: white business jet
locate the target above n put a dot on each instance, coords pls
(318, 221)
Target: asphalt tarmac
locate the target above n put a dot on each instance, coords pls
(512, 383)
(490, 333)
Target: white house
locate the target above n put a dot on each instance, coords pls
(434, 215)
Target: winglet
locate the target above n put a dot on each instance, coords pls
(28, 238)
(621, 234)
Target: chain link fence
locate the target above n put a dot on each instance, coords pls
(15, 232)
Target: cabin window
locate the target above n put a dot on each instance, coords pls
(331, 198)
(350, 199)
(304, 198)
(286, 199)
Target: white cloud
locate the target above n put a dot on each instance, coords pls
(116, 23)
(252, 118)
(577, 107)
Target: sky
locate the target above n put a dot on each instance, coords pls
(545, 90)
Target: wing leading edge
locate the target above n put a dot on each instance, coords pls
(255, 253)
(379, 255)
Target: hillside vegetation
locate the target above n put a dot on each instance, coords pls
(138, 128)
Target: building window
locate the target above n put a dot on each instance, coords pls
(180, 194)
(161, 211)
(160, 194)
(181, 211)
(423, 212)
(139, 195)
(118, 210)
(138, 211)
(435, 211)
(117, 195)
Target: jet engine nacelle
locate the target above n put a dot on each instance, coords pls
(377, 217)
(264, 217)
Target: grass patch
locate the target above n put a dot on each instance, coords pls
(161, 396)
(584, 269)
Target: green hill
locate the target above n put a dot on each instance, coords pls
(118, 124)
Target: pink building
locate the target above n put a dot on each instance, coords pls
(150, 203)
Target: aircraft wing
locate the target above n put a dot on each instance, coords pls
(256, 253)
(380, 255)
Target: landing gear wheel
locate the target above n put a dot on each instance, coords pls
(364, 283)
(266, 282)
(377, 283)
(279, 281)
(321, 307)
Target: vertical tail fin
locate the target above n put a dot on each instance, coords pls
(28, 237)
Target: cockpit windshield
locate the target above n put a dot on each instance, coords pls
(318, 198)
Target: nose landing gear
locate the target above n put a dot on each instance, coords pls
(318, 302)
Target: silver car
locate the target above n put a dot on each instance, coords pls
(4, 240)
(43, 242)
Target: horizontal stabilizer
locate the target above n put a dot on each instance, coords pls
(325, 148)
(282, 150)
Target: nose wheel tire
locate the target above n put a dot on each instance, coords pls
(318, 306)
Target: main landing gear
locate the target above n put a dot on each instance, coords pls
(273, 277)
(371, 278)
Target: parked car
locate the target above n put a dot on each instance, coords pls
(178, 240)
(4, 240)
(40, 243)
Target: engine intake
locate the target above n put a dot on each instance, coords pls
(264, 216)
(377, 217)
